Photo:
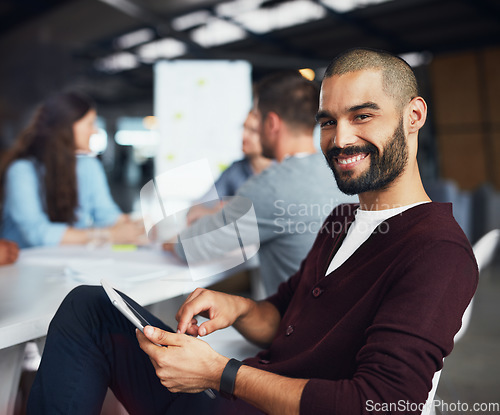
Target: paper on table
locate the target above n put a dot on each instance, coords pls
(89, 267)
(91, 272)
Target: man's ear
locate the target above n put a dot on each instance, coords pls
(417, 114)
(273, 122)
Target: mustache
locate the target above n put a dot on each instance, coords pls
(351, 150)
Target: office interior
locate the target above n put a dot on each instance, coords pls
(109, 49)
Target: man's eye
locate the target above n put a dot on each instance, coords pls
(328, 123)
(361, 117)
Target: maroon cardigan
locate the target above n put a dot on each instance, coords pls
(378, 327)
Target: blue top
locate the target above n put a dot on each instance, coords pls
(233, 177)
(229, 181)
(24, 218)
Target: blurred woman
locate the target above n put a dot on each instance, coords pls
(53, 190)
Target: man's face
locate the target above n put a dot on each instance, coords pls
(362, 132)
(251, 137)
(266, 140)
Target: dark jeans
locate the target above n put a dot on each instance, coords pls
(90, 346)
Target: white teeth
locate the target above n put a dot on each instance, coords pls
(350, 160)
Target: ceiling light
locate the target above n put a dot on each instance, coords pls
(190, 20)
(236, 7)
(99, 141)
(281, 16)
(137, 138)
(125, 6)
(343, 6)
(217, 32)
(308, 73)
(415, 59)
(117, 62)
(167, 48)
(134, 38)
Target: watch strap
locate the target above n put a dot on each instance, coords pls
(228, 378)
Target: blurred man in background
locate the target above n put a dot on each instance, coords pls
(236, 174)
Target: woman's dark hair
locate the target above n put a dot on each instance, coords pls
(48, 140)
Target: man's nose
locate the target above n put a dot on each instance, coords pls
(344, 135)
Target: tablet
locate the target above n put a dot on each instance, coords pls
(124, 307)
(132, 314)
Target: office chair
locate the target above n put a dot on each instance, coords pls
(484, 250)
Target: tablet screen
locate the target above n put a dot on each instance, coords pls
(124, 307)
(143, 321)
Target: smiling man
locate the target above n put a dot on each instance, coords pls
(366, 321)
(364, 106)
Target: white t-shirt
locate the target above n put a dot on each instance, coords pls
(364, 224)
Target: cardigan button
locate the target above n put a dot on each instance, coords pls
(289, 330)
(264, 361)
(317, 292)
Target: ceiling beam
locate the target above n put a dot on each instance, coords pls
(268, 39)
(486, 8)
(369, 29)
(15, 13)
(131, 9)
(298, 57)
(272, 61)
(162, 26)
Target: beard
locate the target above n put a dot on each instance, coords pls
(383, 169)
(267, 149)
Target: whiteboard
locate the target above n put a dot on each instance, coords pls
(200, 107)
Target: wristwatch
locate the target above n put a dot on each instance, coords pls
(228, 379)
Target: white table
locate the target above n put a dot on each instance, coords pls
(32, 289)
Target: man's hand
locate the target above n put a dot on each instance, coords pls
(221, 309)
(9, 251)
(256, 321)
(198, 211)
(126, 231)
(189, 365)
(168, 246)
(186, 365)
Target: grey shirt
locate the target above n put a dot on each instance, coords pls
(291, 200)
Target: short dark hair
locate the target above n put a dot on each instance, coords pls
(398, 77)
(291, 96)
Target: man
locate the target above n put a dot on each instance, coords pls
(367, 319)
(236, 174)
(289, 198)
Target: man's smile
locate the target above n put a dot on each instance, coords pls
(349, 162)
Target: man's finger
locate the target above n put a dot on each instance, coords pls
(209, 326)
(145, 344)
(192, 331)
(188, 311)
(193, 295)
(187, 321)
(162, 337)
